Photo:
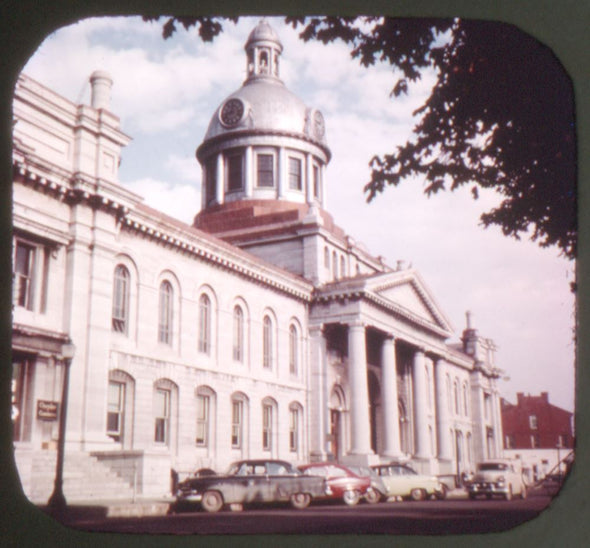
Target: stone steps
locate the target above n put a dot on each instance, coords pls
(84, 478)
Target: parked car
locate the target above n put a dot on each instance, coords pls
(377, 492)
(341, 482)
(249, 482)
(497, 477)
(401, 480)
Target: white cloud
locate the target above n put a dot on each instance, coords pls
(180, 201)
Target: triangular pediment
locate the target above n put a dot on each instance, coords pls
(407, 291)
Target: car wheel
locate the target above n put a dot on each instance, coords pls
(212, 501)
(472, 496)
(351, 497)
(442, 494)
(300, 500)
(509, 493)
(523, 492)
(372, 496)
(417, 494)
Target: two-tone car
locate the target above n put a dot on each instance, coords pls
(341, 482)
(501, 477)
(401, 480)
(250, 482)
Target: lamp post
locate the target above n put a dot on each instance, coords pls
(57, 502)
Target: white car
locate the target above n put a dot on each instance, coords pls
(497, 477)
(402, 481)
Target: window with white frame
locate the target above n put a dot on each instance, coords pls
(21, 401)
(293, 350)
(326, 257)
(165, 313)
(265, 170)
(204, 324)
(342, 266)
(235, 171)
(116, 410)
(316, 181)
(162, 398)
(295, 173)
(267, 427)
(203, 409)
(120, 312)
(294, 429)
(334, 265)
(456, 393)
(533, 422)
(465, 400)
(237, 420)
(24, 269)
(238, 334)
(267, 343)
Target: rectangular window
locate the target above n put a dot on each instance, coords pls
(115, 407)
(293, 430)
(533, 422)
(316, 182)
(535, 441)
(487, 401)
(235, 172)
(295, 181)
(161, 415)
(202, 420)
(24, 264)
(266, 427)
(21, 401)
(236, 424)
(265, 170)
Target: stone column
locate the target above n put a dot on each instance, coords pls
(360, 425)
(248, 172)
(220, 186)
(391, 445)
(281, 174)
(318, 406)
(420, 406)
(445, 449)
(309, 178)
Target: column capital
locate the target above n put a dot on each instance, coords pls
(356, 324)
(389, 336)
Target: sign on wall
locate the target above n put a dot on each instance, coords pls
(47, 410)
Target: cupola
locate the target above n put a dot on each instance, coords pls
(263, 144)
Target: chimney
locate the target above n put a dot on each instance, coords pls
(545, 396)
(468, 318)
(100, 95)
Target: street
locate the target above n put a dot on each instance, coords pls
(429, 517)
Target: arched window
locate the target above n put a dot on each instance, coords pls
(120, 312)
(205, 413)
(428, 391)
(295, 418)
(293, 350)
(204, 324)
(449, 397)
(456, 393)
(342, 266)
(465, 400)
(267, 343)
(239, 417)
(238, 334)
(165, 313)
(335, 265)
(267, 425)
(326, 257)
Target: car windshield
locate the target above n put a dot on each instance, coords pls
(491, 466)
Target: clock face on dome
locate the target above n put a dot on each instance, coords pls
(318, 124)
(232, 112)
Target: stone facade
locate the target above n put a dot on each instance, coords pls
(261, 330)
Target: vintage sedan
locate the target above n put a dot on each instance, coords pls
(377, 492)
(497, 477)
(250, 482)
(403, 481)
(341, 482)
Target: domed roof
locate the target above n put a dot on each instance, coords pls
(264, 104)
(263, 32)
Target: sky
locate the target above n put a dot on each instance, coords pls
(165, 92)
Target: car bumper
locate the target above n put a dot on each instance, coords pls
(189, 497)
(488, 489)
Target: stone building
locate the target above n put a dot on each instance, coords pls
(263, 330)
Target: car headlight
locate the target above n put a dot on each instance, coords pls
(501, 480)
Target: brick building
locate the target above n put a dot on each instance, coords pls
(537, 432)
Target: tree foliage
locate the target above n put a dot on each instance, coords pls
(500, 116)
